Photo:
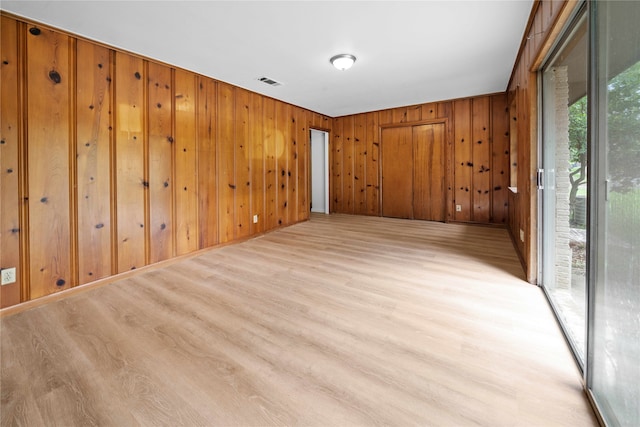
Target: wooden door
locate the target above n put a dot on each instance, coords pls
(428, 172)
(397, 172)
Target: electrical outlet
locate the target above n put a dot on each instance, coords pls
(255, 219)
(521, 235)
(8, 275)
(458, 208)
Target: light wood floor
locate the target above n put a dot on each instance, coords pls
(342, 320)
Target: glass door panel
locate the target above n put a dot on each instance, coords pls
(614, 362)
(564, 193)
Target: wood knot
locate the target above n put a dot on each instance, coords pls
(55, 76)
(35, 31)
(60, 282)
(99, 226)
(137, 75)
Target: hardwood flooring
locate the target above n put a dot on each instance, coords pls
(342, 320)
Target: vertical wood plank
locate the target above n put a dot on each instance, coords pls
(462, 159)
(270, 166)
(93, 130)
(257, 162)
(399, 115)
(428, 172)
(373, 164)
(242, 211)
(397, 173)
(348, 165)
(207, 172)
(10, 145)
(282, 156)
(161, 142)
(481, 160)
(360, 164)
(49, 75)
(414, 113)
(445, 110)
(429, 111)
(226, 162)
(385, 117)
(186, 166)
(337, 166)
(131, 182)
(292, 167)
(500, 158)
(304, 205)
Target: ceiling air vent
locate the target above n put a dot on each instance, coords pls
(269, 81)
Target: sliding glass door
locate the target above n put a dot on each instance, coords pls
(564, 189)
(614, 318)
(590, 193)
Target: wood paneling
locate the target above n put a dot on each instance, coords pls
(257, 162)
(207, 170)
(348, 155)
(10, 156)
(283, 136)
(50, 179)
(500, 158)
(130, 161)
(360, 164)
(161, 159)
(242, 213)
(463, 161)
(186, 163)
(428, 172)
(372, 164)
(124, 162)
(397, 173)
(270, 164)
(544, 28)
(336, 167)
(226, 161)
(481, 151)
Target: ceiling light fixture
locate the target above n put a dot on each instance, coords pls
(342, 62)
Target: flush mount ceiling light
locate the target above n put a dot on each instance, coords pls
(342, 62)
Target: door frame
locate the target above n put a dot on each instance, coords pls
(326, 134)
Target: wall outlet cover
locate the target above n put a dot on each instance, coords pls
(8, 275)
(255, 219)
(458, 208)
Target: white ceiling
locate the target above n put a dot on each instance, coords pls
(408, 52)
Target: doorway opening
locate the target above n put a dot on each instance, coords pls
(319, 171)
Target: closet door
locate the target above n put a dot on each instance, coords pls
(397, 172)
(428, 172)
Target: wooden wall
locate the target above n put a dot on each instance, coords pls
(545, 24)
(476, 173)
(111, 162)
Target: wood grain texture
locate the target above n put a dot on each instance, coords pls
(161, 162)
(270, 164)
(500, 158)
(360, 164)
(207, 171)
(242, 218)
(428, 172)
(342, 320)
(186, 164)
(372, 164)
(226, 161)
(130, 169)
(463, 160)
(49, 75)
(116, 161)
(257, 162)
(397, 172)
(336, 166)
(481, 159)
(10, 170)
